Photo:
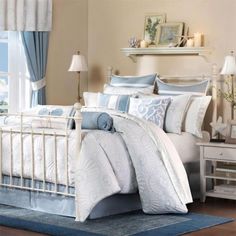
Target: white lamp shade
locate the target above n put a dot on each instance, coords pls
(229, 67)
(78, 64)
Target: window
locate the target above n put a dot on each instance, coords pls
(15, 90)
(4, 95)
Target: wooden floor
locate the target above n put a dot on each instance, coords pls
(213, 206)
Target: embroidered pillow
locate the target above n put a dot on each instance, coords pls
(108, 89)
(133, 81)
(195, 115)
(54, 123)
(152, 109)
(115, 102)
(175, 113)
(199, 89)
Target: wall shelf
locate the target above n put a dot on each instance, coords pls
(176, 51)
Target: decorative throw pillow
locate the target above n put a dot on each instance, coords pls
(195, 115)
(199, 89)
(133, 81)
(152, 109)
(115, 102)
(175, 113)
(56, 111)
(90, 99)
(108, 89)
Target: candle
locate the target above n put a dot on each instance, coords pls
(143, 44)
(197, 40)
(190, 43)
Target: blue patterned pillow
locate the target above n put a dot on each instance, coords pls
(199, 89)
(115, 102)
(133, 81)
(152, 109)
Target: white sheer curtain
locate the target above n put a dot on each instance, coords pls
(19, 84)
(25, 15)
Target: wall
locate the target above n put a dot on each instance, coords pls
(69, 34)
(111, 23)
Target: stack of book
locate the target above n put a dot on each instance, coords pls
(226, 170)
(225, 188)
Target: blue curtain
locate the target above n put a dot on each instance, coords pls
(36, 50)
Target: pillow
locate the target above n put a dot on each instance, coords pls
(54, 123)
(115, 102)
(133, 81)
(108, 89)
(175, 113)
(49, 123)
(195, 115)
(90, 99)
(152, 109)
(199, 89)
(97, 120)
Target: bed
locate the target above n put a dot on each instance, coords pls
(53, 189)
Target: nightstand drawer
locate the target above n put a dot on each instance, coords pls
(220, 153)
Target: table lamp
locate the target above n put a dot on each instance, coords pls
(78, 64)
(229, 69)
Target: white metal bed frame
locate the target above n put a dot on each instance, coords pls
(78, 121)
(22, 133)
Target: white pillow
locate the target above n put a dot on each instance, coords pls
(50, 122)
(152, 109)
(108, 89)
(90, 99)
(195, 115)
(175, 113)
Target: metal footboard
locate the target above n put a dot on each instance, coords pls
(21, 132)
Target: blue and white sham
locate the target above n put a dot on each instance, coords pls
(133, 81)
(115, 102)
(169, 89)
(151, 109)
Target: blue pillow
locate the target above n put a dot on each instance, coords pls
(97, 120)
(199, 89)
(115, 102)
(133, 81)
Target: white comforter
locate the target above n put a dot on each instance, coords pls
(38, 155)
(138, 156)
(142, 155)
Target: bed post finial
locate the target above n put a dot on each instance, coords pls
(109, 73)
(78, 107)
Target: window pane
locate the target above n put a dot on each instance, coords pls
(4, 57)
(3, 94)
(3, 35)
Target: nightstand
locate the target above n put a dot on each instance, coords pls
(218, 164)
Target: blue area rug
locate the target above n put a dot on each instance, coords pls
(135, 223)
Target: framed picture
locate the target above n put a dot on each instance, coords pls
(150, 27)
(169, 33)
(231, 132)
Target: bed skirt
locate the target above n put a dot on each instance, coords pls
(65, 205)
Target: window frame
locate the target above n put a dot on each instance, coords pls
(6, 75)
(19, 88)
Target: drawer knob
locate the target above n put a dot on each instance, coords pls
(221, 154)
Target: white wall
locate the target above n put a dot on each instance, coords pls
(111, 23)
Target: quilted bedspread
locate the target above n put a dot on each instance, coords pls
(138, 156)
